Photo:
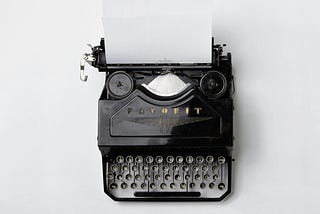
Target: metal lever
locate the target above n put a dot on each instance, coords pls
(87, 58)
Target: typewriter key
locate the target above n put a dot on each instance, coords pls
(183, 185)
(214, 168)
(165, 168)
(128, 177)
(134, 168)
(197, 177)
(114, 168)
(175, 168)
(215, 177)
(192, 185)
(143, 185)
(177, 177)
(170, 159)
(167, 177)
(204, 168)
(163, 186)
(185, 168)
(209, 159)
(113, 186)
(147, 177)
(211, 185)
(138, 177)
(124, 185)
(120, 159)
(221, 186)
(159, 159)
(119, 177)
(199, 159)
(202, 185)
(133, 185)
(187, 177)
(189, 159)
(129, 159)
(179, 159)
(157, 177)
(172, 185)
(145, 168)
(125, 168)
(152, 185)
(206, 176)
(139, 159)
(155, 168)
(110, 175)
(195, 168)
(221, 160)
(149, 159)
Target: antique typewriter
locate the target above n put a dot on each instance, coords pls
(165, 130)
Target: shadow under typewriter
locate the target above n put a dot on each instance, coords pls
(168, 177)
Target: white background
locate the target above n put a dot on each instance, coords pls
(49, 160)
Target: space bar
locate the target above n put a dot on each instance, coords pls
(167, 194)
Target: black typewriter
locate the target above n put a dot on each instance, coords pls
(165, 131)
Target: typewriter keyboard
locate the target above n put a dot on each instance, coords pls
(165, 176)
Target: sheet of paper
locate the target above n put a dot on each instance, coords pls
(157, 31)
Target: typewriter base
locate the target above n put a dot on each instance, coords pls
(141, 180)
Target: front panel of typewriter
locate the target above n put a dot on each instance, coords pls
(165, 131)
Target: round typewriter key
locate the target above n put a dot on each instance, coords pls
(179, 159)
(125, 168)
(175, 168)
(155, 168)
(113, 186)
(189, 159)
(183, 185)
(152, 185)
(133, 185)
(195, 168)
(214, 168)
(202, 185)
(114, 168)
(167, 177)
(209, 159)
(110, 175)
(172, 185)
(119, 177)
(170, 159)
(221, 186)
(185, 168)
(211, 185)
(120, 159)
(215, 177)
(177, 177)
(128, 177)
(139, 159)
(137, 177)
(159, 159)
(119, 84)
(204, 168)
(199, 159)
(143, 185)
(157, 177)
(124, 185)
(206, 176)
(163, 186)
(145, 168)
(134, 168)
(197, 177)
(221, 160)
(147, 177)
(213, 84)
(165, 168)
(192, 185)
(149, 159)
(129, 159)
(187, 177)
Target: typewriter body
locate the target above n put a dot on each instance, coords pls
(165, 130)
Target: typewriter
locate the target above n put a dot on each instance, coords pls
(165, 130)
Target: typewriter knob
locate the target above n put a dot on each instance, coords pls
(213, 84)
(119, 84)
